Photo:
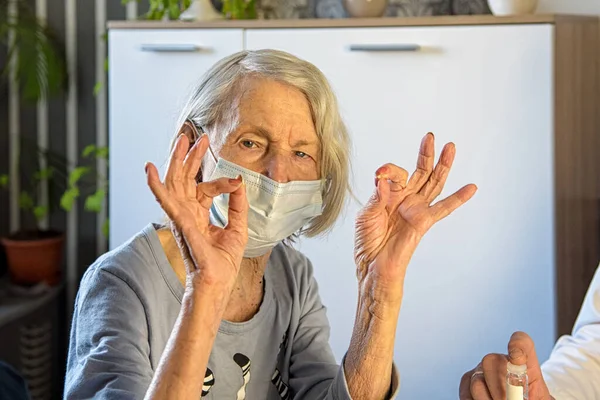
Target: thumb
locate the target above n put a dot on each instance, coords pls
(521, 351)
(238, 211)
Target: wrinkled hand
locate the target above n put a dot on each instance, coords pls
(212, 255)
(398, 214)
(488, 380)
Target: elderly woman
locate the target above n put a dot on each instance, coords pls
(218, 304)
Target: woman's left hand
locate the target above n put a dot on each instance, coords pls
(391, 225)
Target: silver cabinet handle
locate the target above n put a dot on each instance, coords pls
(170, 48)
(385, 47)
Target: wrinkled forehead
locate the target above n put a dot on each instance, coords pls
(278, 108)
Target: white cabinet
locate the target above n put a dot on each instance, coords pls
(489, 90)
(518, 99)
(151, 73)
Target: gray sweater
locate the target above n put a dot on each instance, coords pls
(127, 305)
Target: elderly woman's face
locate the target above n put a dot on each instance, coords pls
(275, 135)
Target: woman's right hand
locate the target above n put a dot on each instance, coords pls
(212, 255)
(488, 380)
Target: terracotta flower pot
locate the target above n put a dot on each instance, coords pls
(34, 261)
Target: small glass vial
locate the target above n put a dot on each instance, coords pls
(517, 384)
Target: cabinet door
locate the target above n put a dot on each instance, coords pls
(150, 75)
(487, 270)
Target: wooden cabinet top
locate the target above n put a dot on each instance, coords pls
(454, 20)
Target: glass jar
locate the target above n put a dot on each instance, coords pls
(517, 384)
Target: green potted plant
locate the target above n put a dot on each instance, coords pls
(164, 9)
(33, 51)
(36, 64)
(34, 254)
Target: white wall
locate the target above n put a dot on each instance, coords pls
(569, 6)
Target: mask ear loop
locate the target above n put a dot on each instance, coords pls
(197, 133)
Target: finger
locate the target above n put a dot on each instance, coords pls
(159, 191)
(445, 207)
(464, 389)
(206, 191)
(521, 350)
(193, 159)
(473, 387)
(382, 193)
(173, 176)
(424, 164)
(238, 212)
(494, 373)
(395, 175)
(434, 186)
(479, 390)
(191, 165)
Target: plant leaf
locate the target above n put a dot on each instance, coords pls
(44, 174)
(25, 201)
(40, 212)
(174, 11)
(35, 53)
(97, 88)
(106, 227)
(77, 174)
(102, 152)
(106, 64)
(89, 149)
(3, 180)
(68, 198)
(94, 201)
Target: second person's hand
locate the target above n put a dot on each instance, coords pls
(487, 381)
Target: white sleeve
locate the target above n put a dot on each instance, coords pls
(573, 370)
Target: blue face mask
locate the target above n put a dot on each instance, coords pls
(277, 210)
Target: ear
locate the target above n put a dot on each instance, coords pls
(190, 131)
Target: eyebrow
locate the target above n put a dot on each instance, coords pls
(267, 133)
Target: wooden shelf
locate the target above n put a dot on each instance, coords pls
(453, 20)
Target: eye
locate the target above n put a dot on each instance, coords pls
(248, 144)
(302, 154)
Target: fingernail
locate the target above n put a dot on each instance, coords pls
(146, 168)
(515, 354)
(236, 180)
(381, 171)
(431, 133)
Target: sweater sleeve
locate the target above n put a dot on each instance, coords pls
(573, 370)
(108, 349)
(314, 374)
